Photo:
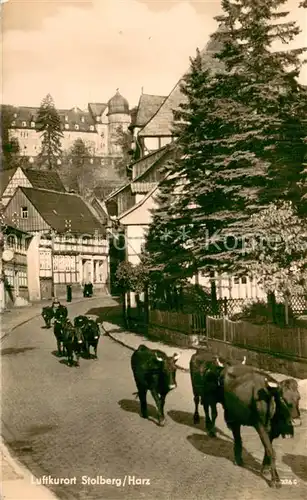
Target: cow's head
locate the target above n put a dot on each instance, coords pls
(223, 364)
(168, 368)
(287, 414)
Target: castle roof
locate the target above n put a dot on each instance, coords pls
(118, 104)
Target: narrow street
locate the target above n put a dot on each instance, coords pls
(84, 422)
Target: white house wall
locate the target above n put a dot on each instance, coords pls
(33, 261)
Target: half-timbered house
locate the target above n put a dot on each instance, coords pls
(71, 239)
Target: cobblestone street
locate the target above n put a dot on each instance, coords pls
(80, 423)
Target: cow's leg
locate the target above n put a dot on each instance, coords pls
(158, 401)
(143, 402)
(212, 431)
(95, 349)
(269, 456)
(208, 422)
(59, 347)
(236, 431)
(196, 418)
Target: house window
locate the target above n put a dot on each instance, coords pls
(82, 119)
(24, 212)
(92, 128)
(66, 126)
(11, 241)
(244, 280)
(97, 118)
(91, 160)
(76, 127)
(24, 124)
(59, 162)
(237, 280)
(15, 115)
(66, 118)
(32, 124)
(13, 123)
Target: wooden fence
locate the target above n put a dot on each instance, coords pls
(268, 338)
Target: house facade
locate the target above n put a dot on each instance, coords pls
(70, 238)
(132, 204)
(16, 267)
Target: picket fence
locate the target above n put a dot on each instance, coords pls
(268, 337)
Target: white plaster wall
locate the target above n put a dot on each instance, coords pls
(33, 269)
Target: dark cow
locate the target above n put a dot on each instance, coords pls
(253, 398)
(47, 314)
(60, 317)
(205, 371)
(91, 334)
(80, 321)
(73, 342)
(153, 371)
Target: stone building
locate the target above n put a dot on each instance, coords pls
(96, 126)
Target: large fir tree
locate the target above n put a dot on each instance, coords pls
(79, 170)
(241, 134)
(49, 124)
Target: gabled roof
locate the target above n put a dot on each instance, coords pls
(38, 179)
(141, 166)
(147, 107)
(56, 208)
(162, 121)
(45, 180)
(5, 177)
(96, 108)
(140, 203)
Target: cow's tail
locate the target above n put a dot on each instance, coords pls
(136, 394)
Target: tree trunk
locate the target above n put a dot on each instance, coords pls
(124, 308)
(286, 310)
(272, 306)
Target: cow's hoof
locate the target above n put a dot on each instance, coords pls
(144, 416)
(196, 419)
(162, 422)
(275, 484)
(239, 462)
(212, 434)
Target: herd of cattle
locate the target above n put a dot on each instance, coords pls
(73, 339)
(249, 396)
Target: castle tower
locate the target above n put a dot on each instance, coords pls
(119, 117)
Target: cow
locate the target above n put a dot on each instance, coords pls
(80, 321)
(47, 314)
(253, 398)
(60, 317)
(153, 371)
(205, 372)
(73, 342)
(91, 334)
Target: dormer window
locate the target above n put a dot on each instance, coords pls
(97, 118)
(32, 124)
(15, 115)
(13, 123)
(76, 127)
(92, 128)
(66, 118)
(66, 126)
(82, 119)
(24, 124)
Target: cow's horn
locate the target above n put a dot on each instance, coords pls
(218, 362)
(176, 356)
(271, 384)
(159, 359)
(244, 360)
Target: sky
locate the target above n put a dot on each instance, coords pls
(83, 50)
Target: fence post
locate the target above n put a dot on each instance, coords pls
(207, 328)
(225, 306)
(224, 328)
